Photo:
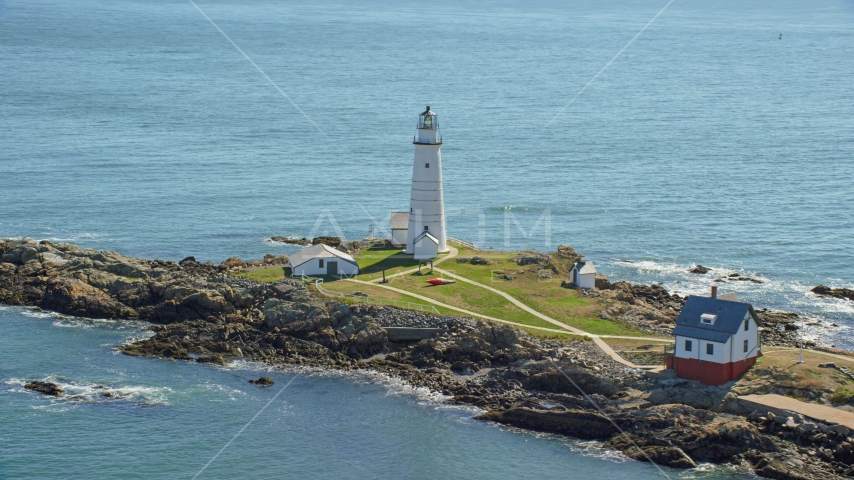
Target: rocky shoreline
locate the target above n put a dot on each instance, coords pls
(567, 387)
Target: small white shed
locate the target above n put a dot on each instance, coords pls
(322, 259)
(399, 228)
(426, 247)
(583, 274)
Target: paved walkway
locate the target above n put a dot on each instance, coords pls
(814, 411)
(452, 252)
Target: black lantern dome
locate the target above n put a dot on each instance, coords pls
(428, 120)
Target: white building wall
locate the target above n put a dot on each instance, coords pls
(399, 236)
(587, 280)
(721, 351)
(426, 249)
(427, 204)
(698, 351)
(312, 267)
(752, 337)
(680, 348)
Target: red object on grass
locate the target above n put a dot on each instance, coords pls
(440, 281)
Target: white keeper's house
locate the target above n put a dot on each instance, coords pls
(322, 259)
(716, 340)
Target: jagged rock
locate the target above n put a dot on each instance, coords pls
(575, 423)
(602, 282)
(331, 241)
(47, 388)
(232, 262)
(479, 261)
(263, 382)
(530, 259)
(215, 359)
(291, 240)
(666, 455)
(829, 292)
(568, 253)
(557, 382)
(74, 297)
(699, 269)
(187, 260)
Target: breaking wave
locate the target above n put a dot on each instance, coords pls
(82, 392)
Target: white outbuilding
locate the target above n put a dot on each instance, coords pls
(583, 274)
(425, 247)
(322, 259)
(399, 228)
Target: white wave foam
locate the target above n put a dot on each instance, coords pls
(78, 392)
(392, 385)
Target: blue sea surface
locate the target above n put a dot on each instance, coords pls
(722, 135)
(129, 417)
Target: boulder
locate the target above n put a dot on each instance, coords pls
(283, 290)
(188, 260)
(47, 388)
(74, 297)
(263, 382)
(602, 282)
(479, 261)
(214, 359)
(699, 269)
(331, 241)
(833, 292)
(667, 455)
(232, 262)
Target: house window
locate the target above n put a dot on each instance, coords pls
(708, 318)
(745, 346)
(746, 324)
(321, 263)
(426, 228)
(710, 349)
(426, 165)
(689, 345)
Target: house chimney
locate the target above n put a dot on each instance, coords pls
(714, 291)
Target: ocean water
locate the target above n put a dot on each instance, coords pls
(722, 135)
(167, 419)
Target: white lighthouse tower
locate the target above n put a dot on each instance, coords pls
(426, 204)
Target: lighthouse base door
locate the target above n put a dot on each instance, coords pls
(332, 268)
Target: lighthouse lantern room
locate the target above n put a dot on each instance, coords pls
(426, 202)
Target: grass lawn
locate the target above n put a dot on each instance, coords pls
(543, 295)
(626, 344)
(379, 292)
(468, 297)
(554, 335)
(808, 374)
(374, 260)
(263, 275)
